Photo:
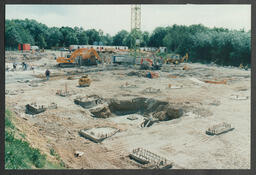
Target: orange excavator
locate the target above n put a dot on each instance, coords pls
(150, 62)
(147, 64)
(81, 56)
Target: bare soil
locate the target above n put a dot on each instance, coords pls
(180, 139)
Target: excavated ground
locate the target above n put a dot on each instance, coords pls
(181, 106)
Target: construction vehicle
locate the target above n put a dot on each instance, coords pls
(122, 59)
(84, 81)
(176, 59)
(81, 56)
(147, 64)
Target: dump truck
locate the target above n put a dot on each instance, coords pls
(81, 57)
(122, 59)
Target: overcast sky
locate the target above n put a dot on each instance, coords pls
(113, 18)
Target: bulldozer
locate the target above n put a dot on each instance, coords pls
(176, 59)
(84, 81)
(81, 56)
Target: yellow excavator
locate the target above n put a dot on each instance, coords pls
(81, 56)
(176, 59)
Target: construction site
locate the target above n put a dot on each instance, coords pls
(118, 108)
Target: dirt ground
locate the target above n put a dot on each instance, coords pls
(181, 140)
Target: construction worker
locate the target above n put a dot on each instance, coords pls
(24, 65)
(47, 74)
(32, 68)
(14, 66)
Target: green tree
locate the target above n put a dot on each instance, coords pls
(131, 38)
(107, 40)
(118, 39)
(82, 38)
(54, 38)
(93, 36)
(71, 39)
(65, 32)
(156, 39)
(145, 39)
(12, 36)
(40, 41)
(219, 45)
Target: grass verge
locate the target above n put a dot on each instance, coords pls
(19, 154)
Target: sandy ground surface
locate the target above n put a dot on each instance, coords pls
(182, 141)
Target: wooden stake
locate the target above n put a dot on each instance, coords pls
(66, 88)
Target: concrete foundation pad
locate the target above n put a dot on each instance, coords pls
(150, 159)
(219, 129)
(98, 134)
(34, 109)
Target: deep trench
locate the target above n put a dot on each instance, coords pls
(147, 107)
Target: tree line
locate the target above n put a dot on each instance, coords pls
(219, 45)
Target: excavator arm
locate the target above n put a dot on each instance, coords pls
(93, 52)
(72, 57)
(83, 52)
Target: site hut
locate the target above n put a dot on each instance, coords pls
(34, 48)
(24, 47)
(163, 49)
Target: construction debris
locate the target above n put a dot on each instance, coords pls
(219, 129)
(14, 92)
(147, 123)
(216, 82)
(197, 81)
(100, 111)
(150, 90)
(127, 85)
(33, 85)
(238, 97)
(152, 75)
(88, 101)
(78, 153)
(52, 106)
(170, 86)
(215, 103)
(132, 117)
(63, 93)
(167, 112)
(172, 76)
(24, 81)
(152, 160)
(70, 78)
(137, 73)
(185, 67)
